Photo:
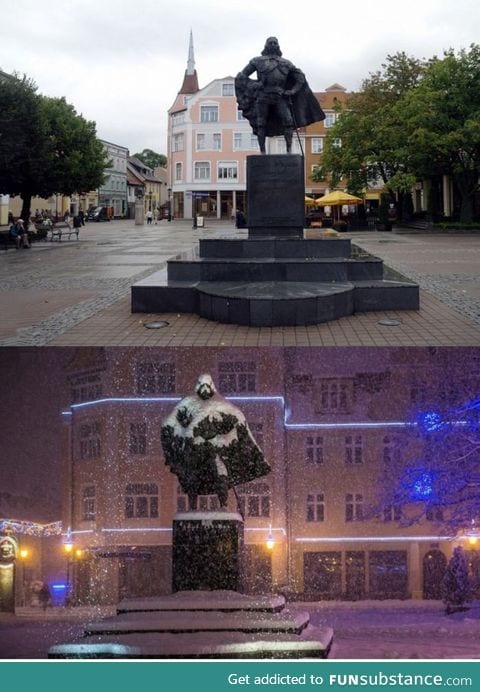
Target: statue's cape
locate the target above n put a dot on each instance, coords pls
(305, 107)
(210, 434)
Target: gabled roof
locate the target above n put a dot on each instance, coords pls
(335, 87)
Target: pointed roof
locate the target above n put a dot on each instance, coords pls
(336, 87)
(190, 79)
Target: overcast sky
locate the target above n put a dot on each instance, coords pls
(121, 63)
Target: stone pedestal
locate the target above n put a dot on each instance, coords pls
(206, 551)
(275, 194)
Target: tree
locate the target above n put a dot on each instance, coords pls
(151, 159)
(437, 477)
(46, 148)
(456, 582)
(371, 131)
(442, 123)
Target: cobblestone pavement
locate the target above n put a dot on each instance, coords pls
(446, 266)
(78, 293)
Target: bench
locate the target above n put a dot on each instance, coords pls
(7, 240)
(61, 229)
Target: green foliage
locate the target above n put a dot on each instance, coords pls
(45, 146)
(442, 122)
(151, 158)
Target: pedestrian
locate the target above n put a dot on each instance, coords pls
(81, 215)
(22, 235)
(155, 216)
(44, 596)
(149, 217)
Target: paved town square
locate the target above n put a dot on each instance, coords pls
(77, 293)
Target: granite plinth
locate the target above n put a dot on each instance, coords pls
(206, 550)
(275, 195)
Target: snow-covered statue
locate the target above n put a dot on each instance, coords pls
(208, 445)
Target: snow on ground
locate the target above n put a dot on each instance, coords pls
(363, 630)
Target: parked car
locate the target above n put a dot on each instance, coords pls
(98, 214)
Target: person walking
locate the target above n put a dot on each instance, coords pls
(149, 217)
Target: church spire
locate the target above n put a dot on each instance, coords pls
(190, 79)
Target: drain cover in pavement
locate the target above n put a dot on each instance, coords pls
(156, 325)
(390, 323)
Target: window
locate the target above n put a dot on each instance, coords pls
(137, 438)
(253, 142)
(227, 171)
(178, 172)
(392, 513)
(329, 119)
(208, 114)
(177, 142)
(353, 507)
(205, 502)
(353, 449)
(141, 501)
(200, 141)
(155, 378)
(334, 395)
(317, 145)
(217, 141)
(316, 507)
(237, 376)
(88, 503)
(254, 499)
(237, 140)
(86, 388)
(202, 170)
(178, 118)
(391, 451)
(314, 450)
(240, 115)
(227, 89)
(90, 440)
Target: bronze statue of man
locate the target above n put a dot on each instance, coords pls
(208, 445)
(280, 100)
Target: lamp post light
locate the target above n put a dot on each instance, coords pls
(68, 548)
(270, 542)
(23, 554)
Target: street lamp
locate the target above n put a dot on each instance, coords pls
(169, 191)
(68, 548)
(23, 554)
(270, 542)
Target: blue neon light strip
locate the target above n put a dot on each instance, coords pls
(256, 399)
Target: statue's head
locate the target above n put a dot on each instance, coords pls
(205, 387)
(272, 47)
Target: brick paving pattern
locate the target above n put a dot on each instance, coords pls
(78, 293)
